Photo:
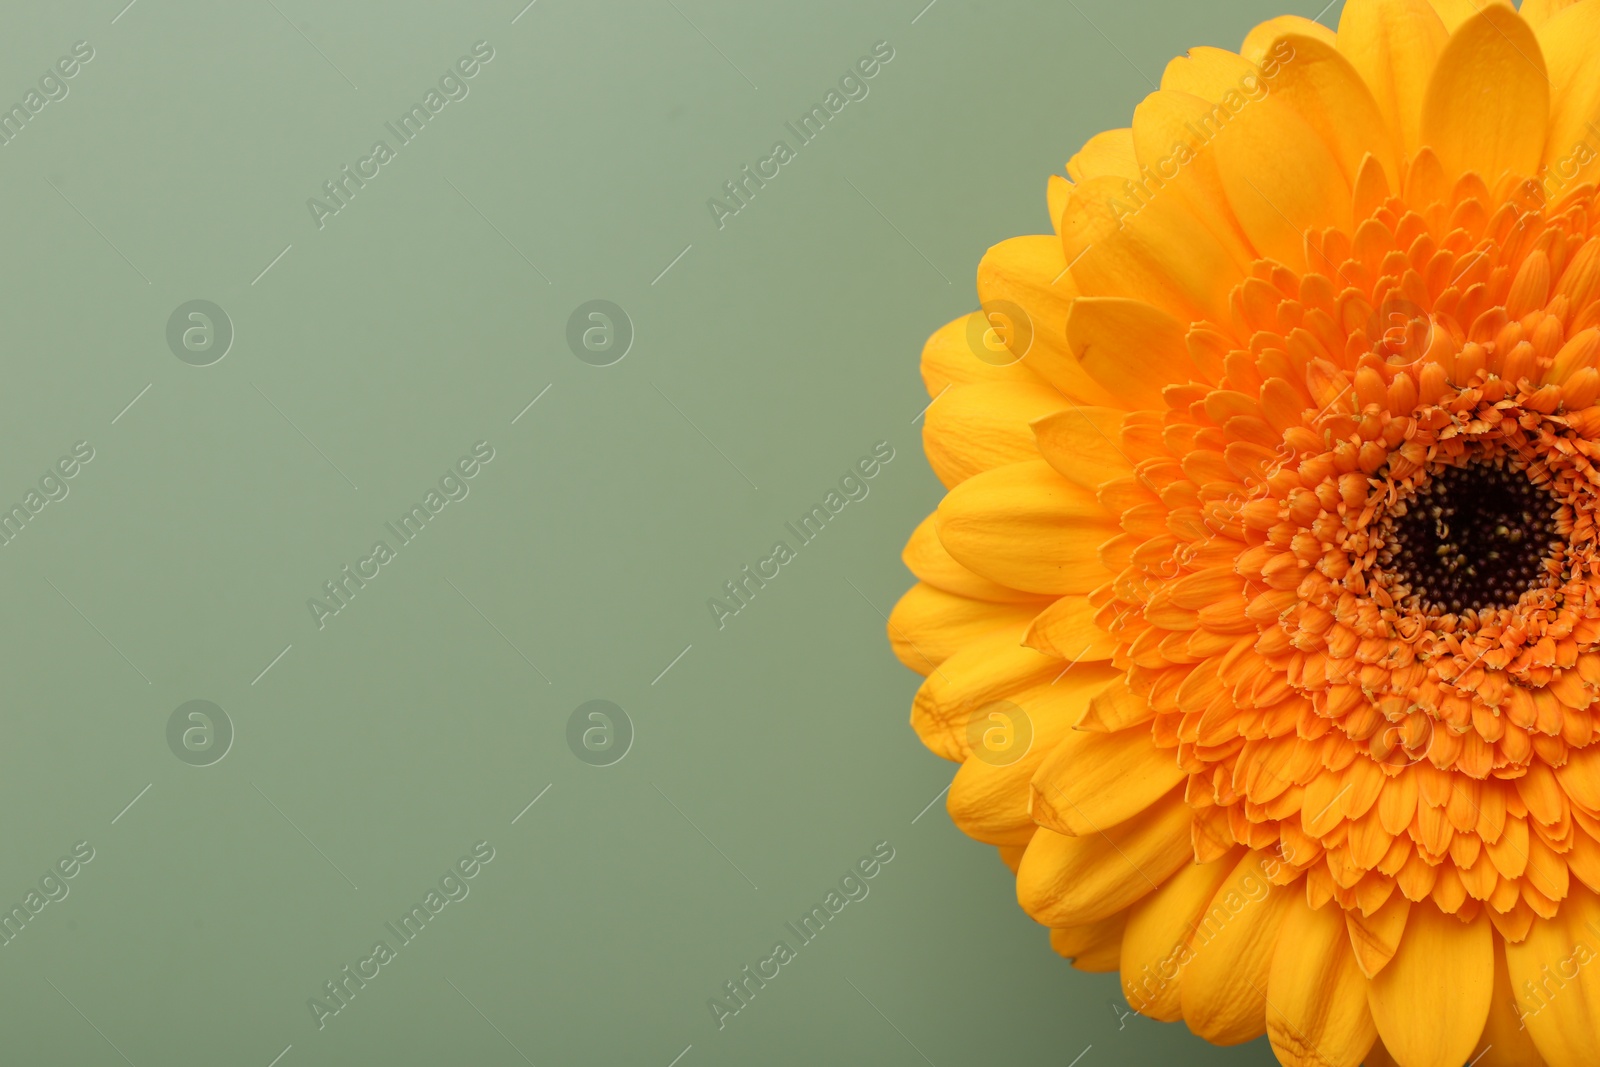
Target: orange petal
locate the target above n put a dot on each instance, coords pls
(1375, 938)
(1488, 103)
(1259, 41)
(1394, 46)
(1081, 444)
(1067, 631)
(926, 558)
(965, 351)
(1110, 152)
(1093, 781)
(1120, 243)
(1027, 527)
(1281, 179)
(1454, 12)
(1130, 348)
(1431, 1001)
(1317, 1014)
(1025, 290)
(1569, 41)
(974, 428)
(1093, 946)
(1324, 89)
(1155, 943)
(1067, 881)
(989, 798)
(1224, 990)
(1557, 984)
(929, 625)
(961, 689)
(1506, 1041)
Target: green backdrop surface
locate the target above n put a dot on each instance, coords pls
(366, 352)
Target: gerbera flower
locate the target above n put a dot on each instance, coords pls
(1263, 610)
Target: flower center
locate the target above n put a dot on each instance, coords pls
(1472, 537)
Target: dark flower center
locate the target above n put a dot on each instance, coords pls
(1472, 537)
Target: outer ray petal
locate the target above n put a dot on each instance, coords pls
(1454, 12)
(1488, 102)
(1130, 348)
(1506, 1042)
(1281, 180)
(1569, 41)
(1067, 881)
(1317, 1013)
(1394, 45)
(1110, 153)
(1028, 527)
(1081, 444)
(1224, 990)
(929, 625)
(1029, 274)
(1426, 1019)
(1092, 781)
(978, 427)
(1155, 943)
(951, 357)
(926, 558)
(1538, 12)
(1259, 41)
(1559, 995)
(1116, 244)
(1321, 86)
(989, 798)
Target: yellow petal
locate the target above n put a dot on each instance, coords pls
(1394, 45)
(1321, 86)
(1555, 973)
(1093, 947)
(1317, 1013)
(1505, 1041)
(1379, 1057)
(1281, 179)
(1209, 73)
(1172, 133)
(1092, 781)
(975, 428)
(1454, 12)
(1375, 938)
(1116, 707)
(1155, 944)
(989, 797)
(1025, 286)
(968, 350)
(1261, 40)
(1538, 12)
(1569, 41)
(990, 669)
(1067, 631)
(1224, 991)
(1081, 444)
(929, 625)
(1110, 152)
(1118, 242)
(1488, 103)
(1130, 348)
(1431, 1001)
(1057, 192)
(1068, 881)
(926, 558)
(1027, 527)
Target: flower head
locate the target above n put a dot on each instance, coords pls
(1263, 611)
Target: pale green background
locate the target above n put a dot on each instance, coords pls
(393, 339)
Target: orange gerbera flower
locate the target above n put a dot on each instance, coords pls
(1263, 611)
